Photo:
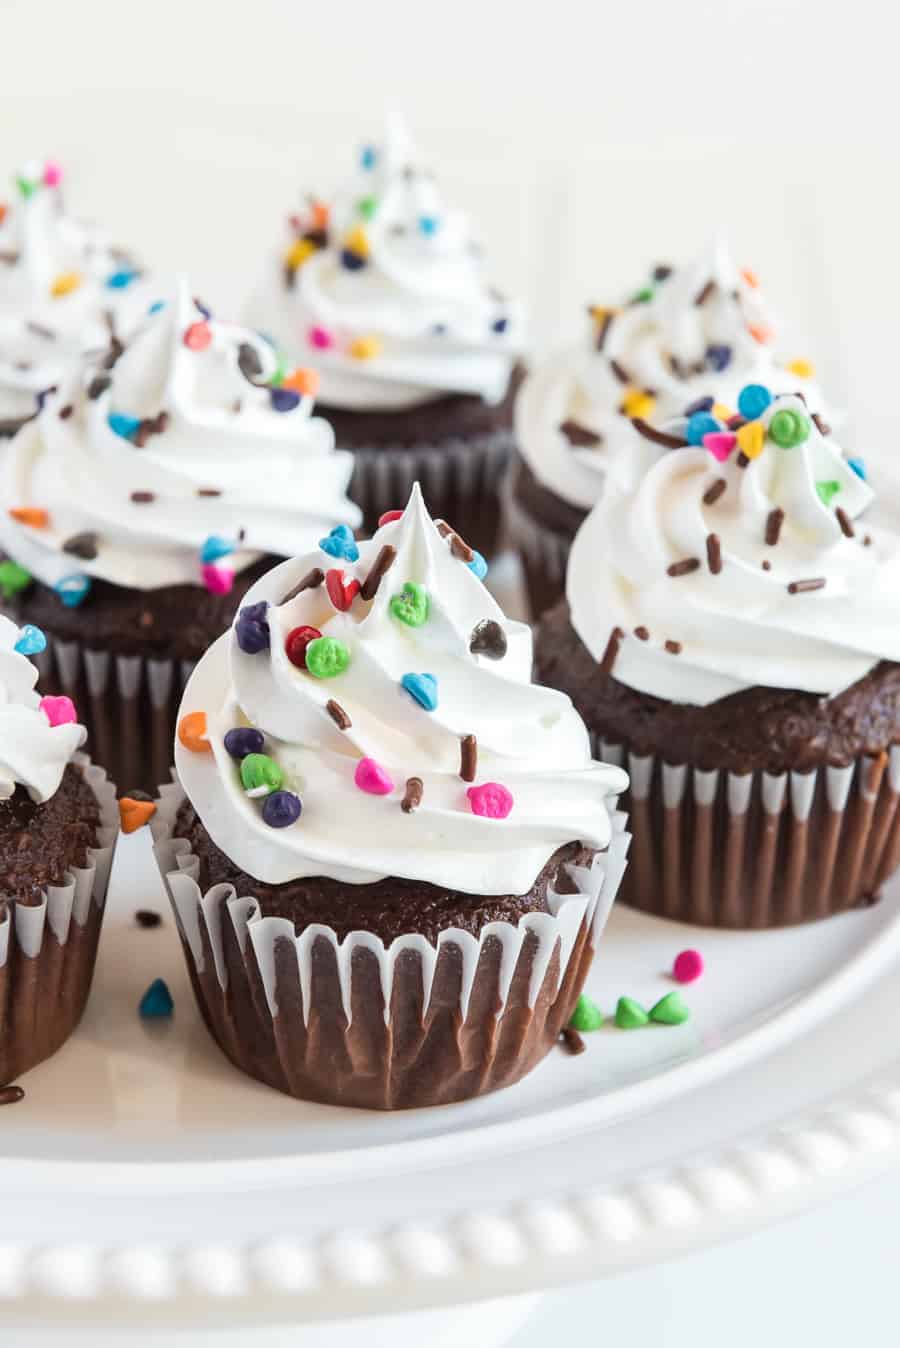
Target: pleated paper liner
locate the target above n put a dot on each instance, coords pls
(460, 480)
(128, 703)
(543, 552)
(353, 1022)
(754, 850)
(48, 950)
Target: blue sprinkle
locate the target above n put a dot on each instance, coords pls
(41, 398)
(500, 325)
(352, 261)
(244, 740)
(215, 547)
(699, 405)
(281, 809)
(423, 687)
(718, 357)
(429, 224)
(207, 313)
(123, 425)
(156, 306)
(438, 329)
(859, 467)
(341, 543)
(284, 399)
(478, 565)
(753, 400)
(73, 590)
(700, 424)
(32, 641)
(156, 1003)
(368, 157)
(120, 279)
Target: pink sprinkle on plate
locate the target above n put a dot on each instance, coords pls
(688, 966)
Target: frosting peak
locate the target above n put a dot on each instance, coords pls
(34, 751)
(391, 701)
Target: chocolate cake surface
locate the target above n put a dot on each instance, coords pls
(40, 843)
(542, 504)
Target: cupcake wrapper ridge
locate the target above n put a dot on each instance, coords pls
(353, 1022)
(543, 552)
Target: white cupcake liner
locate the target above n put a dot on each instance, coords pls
(355, 1022)
(758, 849)
(47, 950)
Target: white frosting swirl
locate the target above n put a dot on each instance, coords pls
(33, 753)
(742, 625)
(529, 739)
(419, 303)
(277, 475)
(663, 345)
(62, 284)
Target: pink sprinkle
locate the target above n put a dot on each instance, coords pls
(59, 710)
(371, 777)
(217, 579)
(52, 173)
(688, 966)
(491, 800)
(720, 444)
(389, 516)
(320, 338)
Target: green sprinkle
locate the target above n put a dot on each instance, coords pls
(587, 1015)
(261, 773)
(26, 187)
(326, 657)
(670, 1010)
(367, 206)
(411, 605)
(630, 1015)
(827, 491)
(642, 296)
(280, 371)
(13, 578)
(789, 428)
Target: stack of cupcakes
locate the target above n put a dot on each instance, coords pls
(390, 854)
(692, 337)
(381, 289)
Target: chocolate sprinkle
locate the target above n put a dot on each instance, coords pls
(845, 522)
(143, 497)
(642, 633)
(714, 553)
(673, 647)
(338, 715)
(580, 436)
(572, 1041)
(209, 491)
(867, 541)
(821, 426)
(742, 461)
(612, 650)
(66, 412)
(767, 565)
(82, 545)
(40, 330)
(11, 1095)
(311, 581)
(684, 567)
(98, 386)
(146, 917)
(413, 797)
(714, 491)
(382, 564)
(460, 548)
(603, 328)
(657, 437)
(805, 586)
(620, 372)
(774, 521)
(468, 758)
(706, 293)
(488, 638)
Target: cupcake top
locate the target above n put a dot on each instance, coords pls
(181, 459)
(38, 735)
(382, 289)
(63, 289)
(690, 333)
(371, 714)
(739, 560)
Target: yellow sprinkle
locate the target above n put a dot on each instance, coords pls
(364, 348)
(721, 411)
(637, 403)
(804, 369)
(65, 283)
(599, 312)
(300, 251)
(357, 241)
(751, 439)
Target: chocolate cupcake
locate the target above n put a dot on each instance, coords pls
(389, 854)
(732, 636)
(144, 501)
(381, 289)
(692, 336)
(65, 290)
(58, 825)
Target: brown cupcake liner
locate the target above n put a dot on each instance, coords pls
(460, 480)
(353, 1022)
(543, 552)
(48, 950)
(758, 849)
(128, 703)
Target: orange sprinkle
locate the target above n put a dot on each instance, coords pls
(31, 515)
(750, 277)
(320, 212)
(760, 332)
(192, 732)
(2, 212)
(303, 381)
(133, 814)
